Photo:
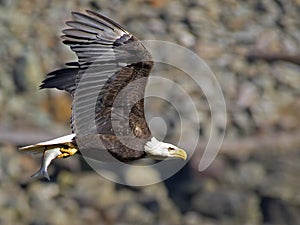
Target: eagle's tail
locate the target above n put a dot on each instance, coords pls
(65, 141)
(57, 148)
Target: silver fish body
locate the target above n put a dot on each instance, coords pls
(48, 156)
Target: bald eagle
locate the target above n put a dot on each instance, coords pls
(109, 60)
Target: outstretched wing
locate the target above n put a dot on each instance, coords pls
(109, 59)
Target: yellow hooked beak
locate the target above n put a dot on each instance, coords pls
(178, 153)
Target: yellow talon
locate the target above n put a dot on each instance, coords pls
(66, 152)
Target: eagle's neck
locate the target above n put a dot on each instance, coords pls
(153, 149)
(152, 144)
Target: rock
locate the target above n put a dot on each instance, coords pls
(269, 40)
(43, 192)
(167, 213)
(136, 214)
(175, 11)
(249, 175)
(140, 176)
(228, 205)
(193, 218)
(285, 172)
(59, 105)
(208, 51)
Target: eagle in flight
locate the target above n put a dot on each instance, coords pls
(107, 85)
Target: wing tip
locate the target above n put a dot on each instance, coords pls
(74, 13)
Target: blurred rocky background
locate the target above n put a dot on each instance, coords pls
(252, 46)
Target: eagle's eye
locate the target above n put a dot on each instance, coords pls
(170, 149)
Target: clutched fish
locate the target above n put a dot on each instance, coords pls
(48, 156)
(58, 148)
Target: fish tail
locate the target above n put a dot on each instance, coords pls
(42, 172)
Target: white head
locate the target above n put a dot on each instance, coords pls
(160, 150)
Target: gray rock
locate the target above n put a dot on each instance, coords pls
(230, 206)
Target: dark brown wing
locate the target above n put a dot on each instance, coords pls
(109, 59)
